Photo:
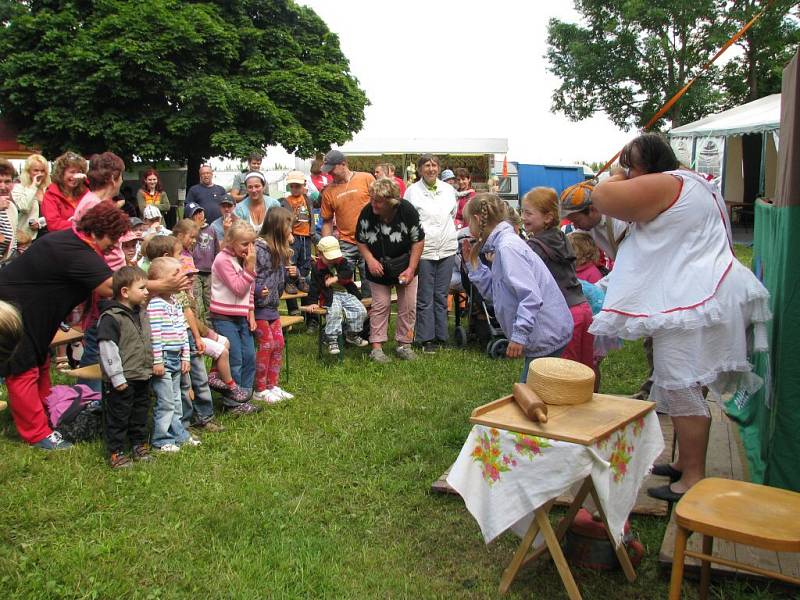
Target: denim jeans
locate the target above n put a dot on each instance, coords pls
(242, 351)
(202, 407)
(167, 427)
(91, 356)
(351, 253)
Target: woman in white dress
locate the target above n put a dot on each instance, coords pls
(677, 280)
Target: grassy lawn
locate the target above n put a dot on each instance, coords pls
(326, 495)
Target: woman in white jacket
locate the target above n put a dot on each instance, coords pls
(436, 203)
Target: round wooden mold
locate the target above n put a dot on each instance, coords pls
(561, 381)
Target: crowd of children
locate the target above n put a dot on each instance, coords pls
(155, 339)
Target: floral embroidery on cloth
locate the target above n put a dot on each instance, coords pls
(493, 461)
(529, 445)
(620, 457)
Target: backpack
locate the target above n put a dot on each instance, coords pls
(75, 411)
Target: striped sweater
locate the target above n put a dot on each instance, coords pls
(232, 287)
(167, 329)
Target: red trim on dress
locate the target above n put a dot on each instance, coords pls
(678, 195)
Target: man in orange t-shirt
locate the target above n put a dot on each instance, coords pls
(343, 200)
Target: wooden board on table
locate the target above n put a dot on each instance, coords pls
(582, 424)
(66, 337)
(726, 459)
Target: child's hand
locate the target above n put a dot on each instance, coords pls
(329, 281)
(250, 257)
(121, 387)
(201, 347)
(291, 270)
(311, 307)
(226, 223)
(264, 292)
(185, 367)
(251, 321)
(514, 350)
(158, 370)
(466, 248)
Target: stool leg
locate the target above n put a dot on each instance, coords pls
(676, 580)
(705, 566)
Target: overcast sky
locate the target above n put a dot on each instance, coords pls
(466, 68)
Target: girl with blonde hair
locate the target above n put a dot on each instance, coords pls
(545, 238)
(527, 302)
(29, 193)
(232, 311)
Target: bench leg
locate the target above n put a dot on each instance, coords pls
(678, 557)
(705, 566)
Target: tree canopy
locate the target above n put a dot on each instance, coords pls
(629, 57)
(175, 79)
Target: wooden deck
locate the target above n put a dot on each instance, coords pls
(726, 459)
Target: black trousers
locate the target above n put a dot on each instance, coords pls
(125, 415)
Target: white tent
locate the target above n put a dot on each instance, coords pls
(714, 145)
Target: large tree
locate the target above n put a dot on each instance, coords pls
(162, 79)
(630, 56)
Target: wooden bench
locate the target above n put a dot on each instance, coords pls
(321, 312)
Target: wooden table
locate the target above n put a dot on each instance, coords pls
(571, 428)
(286, 296)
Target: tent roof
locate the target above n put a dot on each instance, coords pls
(411, 145)
(760, 115)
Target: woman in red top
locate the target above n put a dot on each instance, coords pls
(67, 189)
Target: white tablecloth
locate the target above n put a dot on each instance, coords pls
(504, 477)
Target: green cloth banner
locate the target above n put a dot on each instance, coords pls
(770, 419)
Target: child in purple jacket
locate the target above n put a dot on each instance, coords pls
(527, 301)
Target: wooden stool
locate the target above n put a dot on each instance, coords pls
(738, 511)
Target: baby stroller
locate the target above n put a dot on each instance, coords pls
(468, 305)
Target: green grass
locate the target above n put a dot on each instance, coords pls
(327, 495)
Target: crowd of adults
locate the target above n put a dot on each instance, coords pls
(675, 280)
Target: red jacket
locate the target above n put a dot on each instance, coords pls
(57, 208)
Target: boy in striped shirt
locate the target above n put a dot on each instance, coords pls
(170, 360)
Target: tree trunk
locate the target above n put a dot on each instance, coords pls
(193, 163)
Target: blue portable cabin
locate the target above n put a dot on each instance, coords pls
(554, 176)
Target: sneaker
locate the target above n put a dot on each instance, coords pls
(169, 448)
(237, 394)
(119, 460)
(429, 348)
(282, 393)
(355, 340)
(209, 425)
(405, 352)
(261, 396)
(245, 408)
(312, 327)
(290, 289)
(378, 355)
(191, 441)
(295, 313)
(54, 441)
(302, 285)
(215, 382)
(141, 452)
(333, 347)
